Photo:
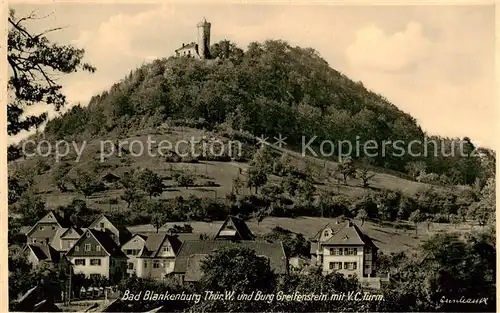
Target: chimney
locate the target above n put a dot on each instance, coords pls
(183, 44)
(46, 242)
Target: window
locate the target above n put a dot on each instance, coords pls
(335, 265)
(367, 266)
(88, 234)
(77, 248)
(53, 227)
(101, 225)
(87, 247)
(145, 264)
(166, 249)
(130, 266)
(351, 251)
(350, 265)
(368, 250)
(80, 262)
(34, 240)
(156, 264)
(112, 262)
(95, 262)
(41, 227)
(98, 248)
(336, 251)
(95, 276)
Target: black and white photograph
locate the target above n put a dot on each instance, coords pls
(249, 156)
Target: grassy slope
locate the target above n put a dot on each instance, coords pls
(386, 237)
(220, 173)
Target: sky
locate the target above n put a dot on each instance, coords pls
(436, 63)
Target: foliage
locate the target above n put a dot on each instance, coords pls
(185, 180)
(347, 169)
(450, 268)
(85, 183)
(150, 182)
(59, 176)
(34, 60)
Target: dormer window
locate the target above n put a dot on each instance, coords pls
(41, 227)
(88, 234)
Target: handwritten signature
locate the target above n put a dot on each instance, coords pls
(464, 300)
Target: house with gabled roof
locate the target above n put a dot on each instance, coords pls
(44, 231)
(97, 254)
(343, 248)
(65, 238)
(41, 252)
(192, 253)
(118, 232)
(152, 255)
(234, 228)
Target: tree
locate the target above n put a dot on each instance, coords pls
(85, 183)
(241, 269)
(131, 196)
(347, 169)
(32, 207)
(257, 178)
(483, 211)
(414, 168)
(365, 176)
(33, 61)
(237, 185)
(362, 215)
(416, 217)
(59, 176)
(157, 220)
(185, 180)
(151, 183)
(306, 190)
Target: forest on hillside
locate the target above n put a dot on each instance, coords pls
(271, 88)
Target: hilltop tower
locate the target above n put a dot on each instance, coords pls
(204, 39)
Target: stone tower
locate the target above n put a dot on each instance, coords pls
(204, 39)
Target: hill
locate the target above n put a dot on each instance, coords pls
(271, 88)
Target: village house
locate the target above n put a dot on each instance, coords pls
(41, 252)
(152, 255)
(343, 248)
(97, 254)
(234, 228)
(234, 232)
(191, 254)
(45, 230)
(116, 230)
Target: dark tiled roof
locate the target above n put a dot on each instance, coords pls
(240, 226)
(107, 243)
(155, 241)
(188, 46)
(192, 250)
(45, 252)
(335, 226)
(110, 177)
(349, 234)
